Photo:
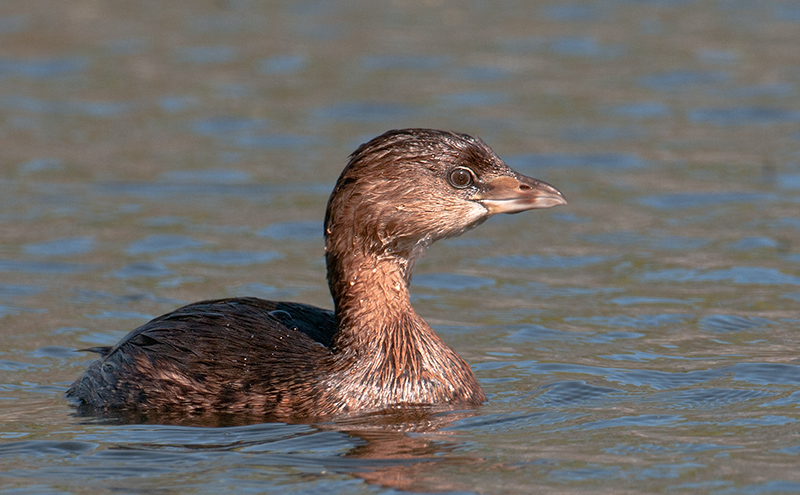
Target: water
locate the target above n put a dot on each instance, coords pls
(642, 339)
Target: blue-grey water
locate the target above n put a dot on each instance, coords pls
(642, 339)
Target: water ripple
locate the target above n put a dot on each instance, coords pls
(404, 62)
(223, 258)
(42, 68)
(640, 321)
(753, 243)
(640, 110)
(768, 420)
(283, 64)
(702, 200)
(143, 269)
(540, 290)
(539, 333)
(503, 422)
(97, 109)
(46, 447)
(305, 230)
(732, 323)
(618, 161)
(451, 281)
(755, 373)
(208, 176)
(639, 357)
(203, 55)
(52, 267)
(585, 46)
(573, 393)
(743, 116)
(277, 141)
(676, 448)
(162, 242)
(651, 241)
(67, 246)
(675, 80)
(576, 12)
(9, 291)
(640, 421)
(179, 191)
(534, 261)
(226, 125)
(767, 373)
(709, 397)
(363, 112)
(740, 275)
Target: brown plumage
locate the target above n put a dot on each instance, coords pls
(399, 193)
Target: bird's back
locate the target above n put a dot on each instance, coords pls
(240, 355)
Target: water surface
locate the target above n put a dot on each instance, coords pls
(642, 339)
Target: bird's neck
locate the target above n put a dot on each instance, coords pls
(387, 351)
(371, 298)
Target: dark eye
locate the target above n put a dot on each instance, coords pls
(460, 177)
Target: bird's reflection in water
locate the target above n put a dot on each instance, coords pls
(399, 448)
(394, 449)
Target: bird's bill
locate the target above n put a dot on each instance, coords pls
(513, 194)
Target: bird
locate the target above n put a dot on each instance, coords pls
(398, 194)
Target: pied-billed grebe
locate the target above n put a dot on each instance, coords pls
(399, 193)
